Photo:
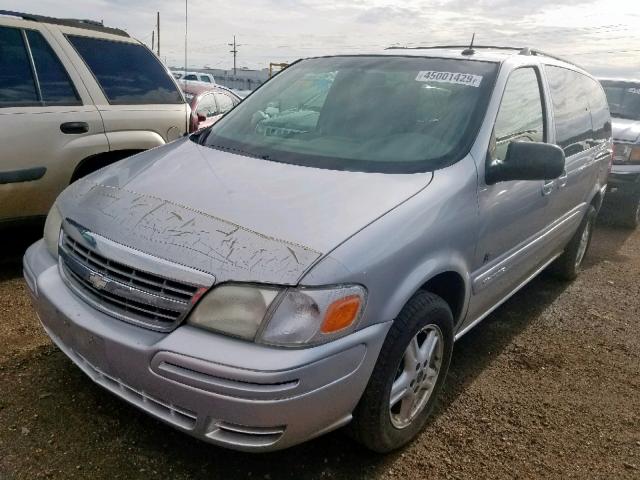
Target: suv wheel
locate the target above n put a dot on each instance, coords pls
(568, 265)
(409, 374)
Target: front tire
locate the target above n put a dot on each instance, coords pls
(568, 265)
(630, 212)
(408, 375)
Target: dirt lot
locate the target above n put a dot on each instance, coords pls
(547, 387)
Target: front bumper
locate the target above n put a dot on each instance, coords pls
(624, 180)
(225, 391)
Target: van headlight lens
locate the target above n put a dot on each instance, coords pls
(284, 316)
(236, 310)
(52, 227)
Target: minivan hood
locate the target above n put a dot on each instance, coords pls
(235, 217)
(626, 130)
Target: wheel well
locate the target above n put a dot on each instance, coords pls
(96, 162)
(451, 288)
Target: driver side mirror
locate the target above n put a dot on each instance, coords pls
(528, 161)
(201, 117)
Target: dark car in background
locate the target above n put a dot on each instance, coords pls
(208, 103)
(623, 196)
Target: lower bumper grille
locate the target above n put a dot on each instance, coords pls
(177, 416)
(245, 436)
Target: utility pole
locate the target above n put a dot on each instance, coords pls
(158, 24)
(153, 41)
(235, 53)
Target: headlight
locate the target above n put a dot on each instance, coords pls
(52, 230)
(286, 317)
(234, 309)
(310, 316)
(626, 153)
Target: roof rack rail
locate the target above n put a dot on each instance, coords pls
(540, 53)
(68, 22)
(436, 47)
(520, 50)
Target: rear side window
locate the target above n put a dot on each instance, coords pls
(17, 86)
(600, 116)
(224, 102)
(521, 117)
(205, 79)
(128, 73)
(570, 93)
(55, 85)
(207, 106)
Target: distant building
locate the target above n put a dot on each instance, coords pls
(244, 79)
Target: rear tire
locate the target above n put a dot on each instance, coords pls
(568, 265)
(424, 326)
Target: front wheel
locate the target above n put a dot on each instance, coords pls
(568, 265)
(408, 375)
(630, 212)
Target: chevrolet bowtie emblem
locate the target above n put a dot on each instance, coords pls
(97, 281)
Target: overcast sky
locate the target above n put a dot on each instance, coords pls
(603, 36)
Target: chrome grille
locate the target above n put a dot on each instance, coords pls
(122, 291)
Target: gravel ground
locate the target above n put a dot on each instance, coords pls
(547, 387)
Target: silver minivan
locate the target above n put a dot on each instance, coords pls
(309, 261)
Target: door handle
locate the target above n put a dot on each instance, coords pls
(562, 179)
(547, 188)
(74, 128)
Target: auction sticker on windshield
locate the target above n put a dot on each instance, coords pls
(449, 77)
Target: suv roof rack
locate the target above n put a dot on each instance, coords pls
(68, 22)
(540, 53)
(520, 50)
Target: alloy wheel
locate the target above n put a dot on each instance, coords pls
(416, 376)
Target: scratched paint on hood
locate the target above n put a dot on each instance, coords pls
(184, 235)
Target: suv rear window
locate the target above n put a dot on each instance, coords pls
(128, 73)
(372, 114)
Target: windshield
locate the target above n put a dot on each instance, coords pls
(624, 99)
(384, 114)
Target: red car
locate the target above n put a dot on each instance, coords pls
(208, 103)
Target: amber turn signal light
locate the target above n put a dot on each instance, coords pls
(341, 314)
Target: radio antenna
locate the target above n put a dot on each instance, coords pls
(186, 31)
(470, 50)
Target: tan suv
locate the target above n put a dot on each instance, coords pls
(74, 97)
